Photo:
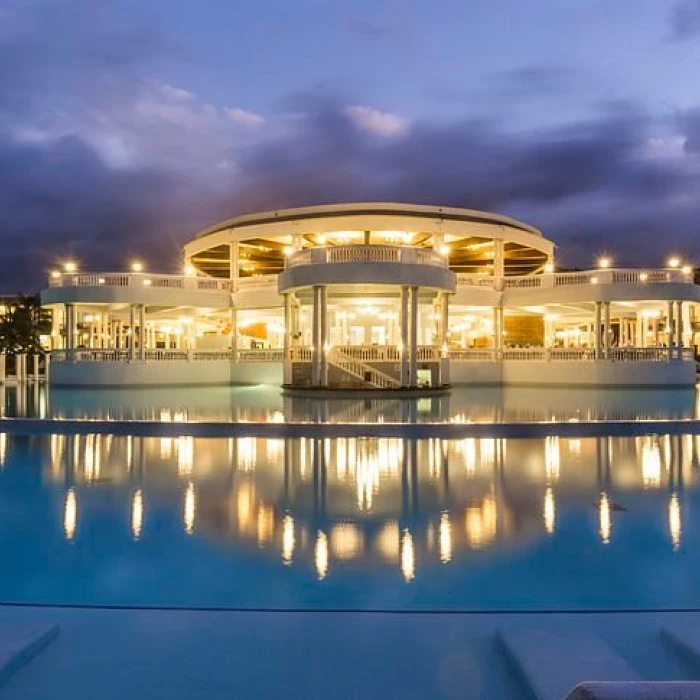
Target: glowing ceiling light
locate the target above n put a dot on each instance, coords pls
(604, 263)
(70, 266)
(549, 267)
(674, 262)
(137, 266)
(190, 271)
(55, 274)
(444, 249)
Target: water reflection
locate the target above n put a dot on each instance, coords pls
(318, 513)
(267, 404)
(395, 501)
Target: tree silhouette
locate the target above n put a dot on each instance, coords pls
(22, 325)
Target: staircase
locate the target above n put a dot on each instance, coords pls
(362, 371)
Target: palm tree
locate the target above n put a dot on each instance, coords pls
(22, 325)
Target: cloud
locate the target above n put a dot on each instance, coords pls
(102, 161)
(685, 19)
(376, 122)
(241, 116)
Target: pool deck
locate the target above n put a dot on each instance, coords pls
(202, 654)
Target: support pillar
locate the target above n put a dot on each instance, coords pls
(679, 328)
(671, 324)
(287, 366)
(132, 331)
(234, 334)
(498, 331)
(596, 329)
(324, 336)
(413, 337)
(142, 331)
(3, 367)
(444, 354)
(70, 326)
(316, 338)
(233, 265)
(404, 336)
(498, 263)
(35, 367)
(606, 329)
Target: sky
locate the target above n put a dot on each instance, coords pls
(127, 126)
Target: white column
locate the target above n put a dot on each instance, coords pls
(316, 338)
(606, 330)
(596, 329)
(233, 265)
(323, 340)
(3, 368)
(234, 334)
(671, 324)
(413, 338)
(142, 331)
(444, 320)
(35, 366)
(444, 349)
(498, 263)
(70, 326)
(679, 328)
(403, 320)
(132, 331)
(287, 367)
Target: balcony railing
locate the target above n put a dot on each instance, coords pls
(572, 354)
(161, 355)
(139, 280)
(577, 279)
(373, 353)
(366, 254)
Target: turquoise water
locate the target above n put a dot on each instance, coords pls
(267, 404)
(357, 524)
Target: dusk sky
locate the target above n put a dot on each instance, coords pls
(126, 126)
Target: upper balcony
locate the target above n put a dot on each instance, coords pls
(135, 288)
(589, 285)
(367, 264)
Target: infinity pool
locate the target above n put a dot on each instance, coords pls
(267, 404)
(352, 524)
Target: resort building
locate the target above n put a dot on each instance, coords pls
(378, 296)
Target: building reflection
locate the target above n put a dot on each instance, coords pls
(354, 501)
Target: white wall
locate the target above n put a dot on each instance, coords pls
(175, 373)
(571, 373)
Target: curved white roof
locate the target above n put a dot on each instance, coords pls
(372, 209)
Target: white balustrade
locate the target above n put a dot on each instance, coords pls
(137, 280)
(366, 254)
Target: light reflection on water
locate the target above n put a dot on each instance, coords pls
(267, 404)
(352, 522)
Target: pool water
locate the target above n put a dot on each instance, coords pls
(352, 524)
(268, 404)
